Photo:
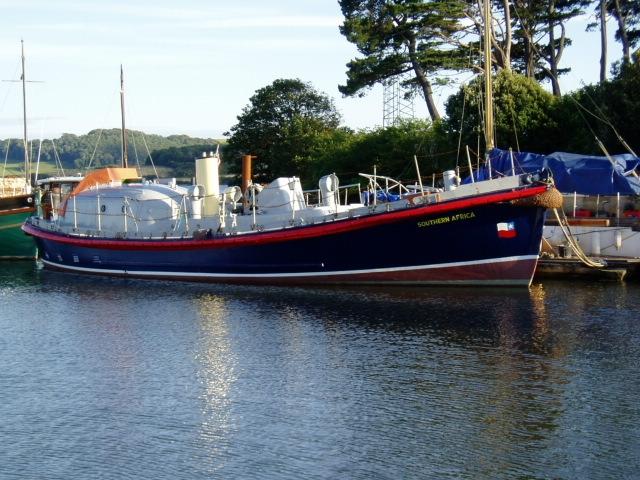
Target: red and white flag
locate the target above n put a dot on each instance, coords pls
(507, 230)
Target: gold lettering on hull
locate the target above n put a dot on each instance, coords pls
(448, 219)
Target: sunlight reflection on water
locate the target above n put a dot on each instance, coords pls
(117, 378)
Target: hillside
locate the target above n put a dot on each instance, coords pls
(103, 147)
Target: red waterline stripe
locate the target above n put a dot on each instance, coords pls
(297, 233)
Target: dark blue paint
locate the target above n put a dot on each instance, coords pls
(403, 243)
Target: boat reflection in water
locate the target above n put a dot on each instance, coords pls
(180, 380)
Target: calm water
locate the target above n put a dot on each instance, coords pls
(111, 378)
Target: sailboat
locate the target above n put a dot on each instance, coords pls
(601, 211)
(114, 223)
(16, 205)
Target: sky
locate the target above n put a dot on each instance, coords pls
(190, 66)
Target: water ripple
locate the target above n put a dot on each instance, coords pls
(112, 378)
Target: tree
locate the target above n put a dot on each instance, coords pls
(181, 160)
(283, 125)
(501, 31)
(522, 113)
(608, 110)
(602, 12)
(400, 36)
(627, 15)
(541, 36)
(391, 150)
(558, 12)
(98, 148)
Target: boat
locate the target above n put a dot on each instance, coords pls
(115, 223)
(601, 201)
(14, 210)
(17, 202)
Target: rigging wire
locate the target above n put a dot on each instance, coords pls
(146, 146)
(4, 167)
(15, 74)
(57, 158)
(464, 102)
(135, 150)
(108, 114)
(38, 158)
(595, 136)
(605, 120)
(515, 129)
(95, 148)
(144, 140)
(580, 107)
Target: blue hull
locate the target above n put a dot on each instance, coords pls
(458, 245)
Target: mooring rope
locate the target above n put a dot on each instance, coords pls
(573, 243)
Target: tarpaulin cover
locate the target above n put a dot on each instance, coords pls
(583, 174)
(104, 176)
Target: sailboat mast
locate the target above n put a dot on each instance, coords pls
(27, 166)
(125, 162)
(488, 87)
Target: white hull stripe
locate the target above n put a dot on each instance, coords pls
(148, 273)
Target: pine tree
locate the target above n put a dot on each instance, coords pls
(400, 36)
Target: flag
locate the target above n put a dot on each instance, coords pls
(507, 230)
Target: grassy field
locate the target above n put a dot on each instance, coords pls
(16, 169)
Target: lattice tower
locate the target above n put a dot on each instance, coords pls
(396, 104)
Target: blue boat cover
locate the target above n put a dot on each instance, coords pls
(381, 196)
(584, 174)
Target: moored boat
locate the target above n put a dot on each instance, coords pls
(601, 211)
(483, 233)
(14, 210)
(17, 204)
(113, 223)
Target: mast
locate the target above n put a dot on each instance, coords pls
(27, 166)
(488, 90)
(125, 162)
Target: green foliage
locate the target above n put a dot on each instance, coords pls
(400, 36)
(522, 111)
(391, 150)
(540, 36)
(627, 16)
(592, 111)
(98, 148)
(285, 125)
(530, 119)
(181, 160)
